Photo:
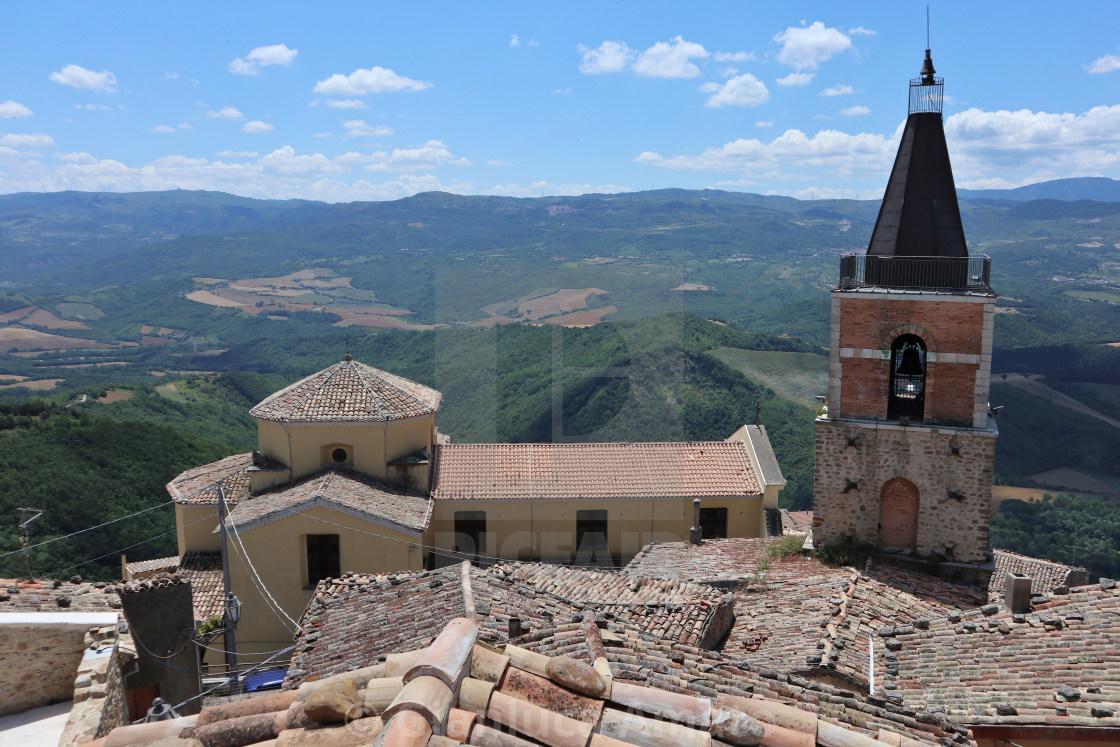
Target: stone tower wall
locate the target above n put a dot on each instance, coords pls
(955, 488)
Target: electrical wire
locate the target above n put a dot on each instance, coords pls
(115, 552)
(257, 581)
(231, 679)
(80, 531)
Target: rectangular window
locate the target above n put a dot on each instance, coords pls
(713, 523)
(591, 533)
(470, 532)
(322, 557)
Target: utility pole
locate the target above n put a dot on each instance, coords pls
(228, 625)
(24, 535)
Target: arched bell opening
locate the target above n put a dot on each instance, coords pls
(908, 379)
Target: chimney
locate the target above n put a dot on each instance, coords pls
(694, 534)
(514, 627)
(1017, 592)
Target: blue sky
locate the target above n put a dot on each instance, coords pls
(370, 101)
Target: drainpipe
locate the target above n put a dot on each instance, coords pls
(694, 534)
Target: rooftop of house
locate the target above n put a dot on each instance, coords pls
(348, 392)
(1055, 665)
(593, 470)
(456, 690)
(45, 595)
(204, 571)
(147, 567)
(199, 486)
(351, 620)
(343, 490)
(634, 656)
(796, 522)
(1046, 575)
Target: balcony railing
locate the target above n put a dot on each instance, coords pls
(918, 273)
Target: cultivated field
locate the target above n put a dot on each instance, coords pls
(798, 377)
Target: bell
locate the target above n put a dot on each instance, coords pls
(927, 70)
(911, 362)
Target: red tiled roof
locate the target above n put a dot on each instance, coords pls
(47, 595)
(1055, 665)
(796, 522)
(454, 691)
(592, 470)
(736, 559)
(155, 564)
(348, 391)
(1045, 574)
(204, 569)
(343, 490)
(199, 486)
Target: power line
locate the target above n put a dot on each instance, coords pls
(87, 529)
(258, 582)
(232, 677)
(115, 552)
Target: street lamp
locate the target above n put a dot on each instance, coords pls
(233, 609)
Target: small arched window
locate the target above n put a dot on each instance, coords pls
(908, 379)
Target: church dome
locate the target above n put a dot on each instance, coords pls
(348, 392)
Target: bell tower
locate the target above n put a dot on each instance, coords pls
(904, 455)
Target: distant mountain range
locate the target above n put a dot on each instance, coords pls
(1096, 188)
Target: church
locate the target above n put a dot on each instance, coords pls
(352, 474)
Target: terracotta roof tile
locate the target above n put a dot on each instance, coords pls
(592, 470)
(204, 569)
(729, 561)
(348, 391)
(156, 564)
(1051, 666)
(199, 486)
(47, 595)
(344, 490)
(352, 619)
(1045, 574)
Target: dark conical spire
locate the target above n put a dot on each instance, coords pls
(920, 216)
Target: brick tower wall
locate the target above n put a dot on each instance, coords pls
(957, 331)
(955, 489)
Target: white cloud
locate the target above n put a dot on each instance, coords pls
(840, 89)
(796, 79)
(286, 162)
(33, 140)
(430, 155)
(371, 80)
(534, 43)
(728, 72)
(670, 59)
(275, 54)
(359, 128)
(499, 163)
(742, 90)
(186, 126)
(226, 112)
(169, 76)
(77, 76)
(547, 189)
(805, 47)
(733, 56)
(257, 127)
(345, 103)
(855, 111)
(95, 107)
(764, 123)
(514, 41)
(75, 158)
(608, 57)
(861, 31)
(163, 128)
(1106, 64)
(14, 110)
(323, 134)
(829, 150)
(238, 154)
(562, 92)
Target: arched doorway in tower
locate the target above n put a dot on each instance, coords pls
(898, 514)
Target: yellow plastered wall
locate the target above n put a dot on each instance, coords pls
(308, 449)
(278, 552)
(194, 526)
(546, 530)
